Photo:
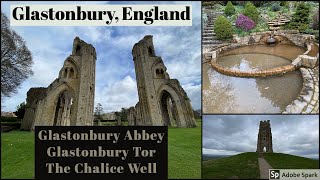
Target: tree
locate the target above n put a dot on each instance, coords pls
(223, 28)
(98, 113)
(21, 109)
(251, 11)
(16, 59)
(229, 10)
(300, 19)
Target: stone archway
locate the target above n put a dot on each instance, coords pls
(168, 109)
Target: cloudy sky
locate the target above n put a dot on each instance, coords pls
(233, 134)
(179, 47)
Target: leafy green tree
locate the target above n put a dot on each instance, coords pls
(98, 113)
(300, 19)
(251, 11)
(21, 109)
(229, 9)
(223, 28)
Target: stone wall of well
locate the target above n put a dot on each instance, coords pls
(308, 99)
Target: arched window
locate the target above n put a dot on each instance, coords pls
(150, 51)
(71, 73)
(78, 48)
(65, 74)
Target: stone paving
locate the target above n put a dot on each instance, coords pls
(307, 102)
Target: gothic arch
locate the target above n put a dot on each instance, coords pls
(172, 114)
(52, 101)
(71, 66)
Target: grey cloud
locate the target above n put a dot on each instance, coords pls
(293, 134)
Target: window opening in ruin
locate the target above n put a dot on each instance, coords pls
(71, 73)
(65, 73)
(78, 50)
(62, 113)
(150, 51)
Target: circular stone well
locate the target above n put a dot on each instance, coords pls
(230, 94)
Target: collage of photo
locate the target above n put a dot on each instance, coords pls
(238, 90)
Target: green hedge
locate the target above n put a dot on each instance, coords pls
(10, 119)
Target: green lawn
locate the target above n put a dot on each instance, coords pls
(17, 153)
(184, 159)
(287, 161)
(240, 166)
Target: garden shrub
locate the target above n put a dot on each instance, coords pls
(284, 3)
(229, 10)
(223, 28)
(259, 3)
(315, 18)
(275, 7)
(251, 11)
(300, 19)
(245, 23)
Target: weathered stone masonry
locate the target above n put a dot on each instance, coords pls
(162, 101)
(69, 99)
(264, 143)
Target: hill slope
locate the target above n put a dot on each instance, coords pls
(245, 165)
(287, 161)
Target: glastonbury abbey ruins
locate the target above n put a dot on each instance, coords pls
(69, 99)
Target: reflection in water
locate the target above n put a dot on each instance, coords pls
(252, 62)
(227, 94)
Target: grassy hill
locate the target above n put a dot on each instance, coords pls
(184, 158)
(287, 161)
(244, 165)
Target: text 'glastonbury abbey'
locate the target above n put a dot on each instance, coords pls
(135, 135)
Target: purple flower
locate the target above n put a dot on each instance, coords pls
(245, 23)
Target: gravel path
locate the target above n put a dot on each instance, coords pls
(264, 168)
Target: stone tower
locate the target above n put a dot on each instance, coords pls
(162, 101)
(264, 143)
(69, 99)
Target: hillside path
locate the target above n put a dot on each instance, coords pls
(264, 167)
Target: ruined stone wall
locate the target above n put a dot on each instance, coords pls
(155, 86)
(34, 96)
(131, 117)
(69, 98)
(262, 73)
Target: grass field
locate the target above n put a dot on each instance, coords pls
(240, 166)
(184, 161)
(17, 155)
(287, 161)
